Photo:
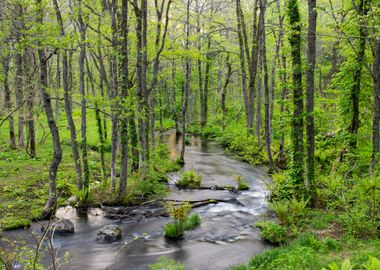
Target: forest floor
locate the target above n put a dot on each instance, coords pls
(23, 180)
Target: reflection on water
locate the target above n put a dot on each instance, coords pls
(224, 238)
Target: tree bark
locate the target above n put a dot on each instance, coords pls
(362, 10)
(263, 4)
(187, 84)
(297, 169)
(204, 98)
(68, 105)
(82, 55)
(310, 136)
(114, 95)
(376, 107)
(8, 103)
(123, 97)
(51, 204)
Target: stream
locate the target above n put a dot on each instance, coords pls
(224, 238)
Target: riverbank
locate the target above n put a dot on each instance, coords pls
(342, 226)
(224, 237)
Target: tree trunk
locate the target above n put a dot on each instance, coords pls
(187, 84)
(224, 89)
(82, 55)
(362, 10)
(8, 103)
(310, 140)
(206, 85)
(68, 105)
(141, 68)
(28, 61)
(114, 95)
(242, 62)
(376, 107)
(51, 204)
(263, 4)
(123, 98)
(297, 169)
(19, 98)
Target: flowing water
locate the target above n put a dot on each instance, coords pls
(224, 238)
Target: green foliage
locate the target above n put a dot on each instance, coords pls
(372, 264)
(242, 183)
(189, 179)
(272, 233)
(192, 221)
(11, 222)
(181, 220)
(174, 230)
(165, 264)
(289, 210)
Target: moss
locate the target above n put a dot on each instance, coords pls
(12, 223)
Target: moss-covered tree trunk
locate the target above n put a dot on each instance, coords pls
(297, 166)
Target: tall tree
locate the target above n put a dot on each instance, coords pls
(67, 99)
(263, 4)
(186, 93)
(310, 136)
(82, 55)
(361, 10)
(376, 107)
(297, 167)
(123, 97)
(51, 204)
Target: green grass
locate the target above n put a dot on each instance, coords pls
(189, 179)
(192, 221)
(313, 253)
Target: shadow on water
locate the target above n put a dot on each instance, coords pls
(225, 236)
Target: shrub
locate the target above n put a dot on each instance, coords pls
(272, 233)
(174, 230)
(242, 183)
(181, 220)
(189, 179)
(192, 221)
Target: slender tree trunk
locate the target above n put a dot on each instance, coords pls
(58, 87)
(310, 139)
(82, 55)
(29, 74)
(141, 68)
(68, 105)
(259, 98)
(187, 84)
(362, 10)
(376, 107)
(123, 97)
(18, 79)
(114, 95)
(242, 62)
(8, 103)
(19, 98)
(206, 84)
(263, 4)
(297, 169)
(224, 89)
(51, 204)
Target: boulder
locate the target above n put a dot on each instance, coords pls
(61, 226)
(109, 234)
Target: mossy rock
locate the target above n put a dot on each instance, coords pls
(12, 223)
